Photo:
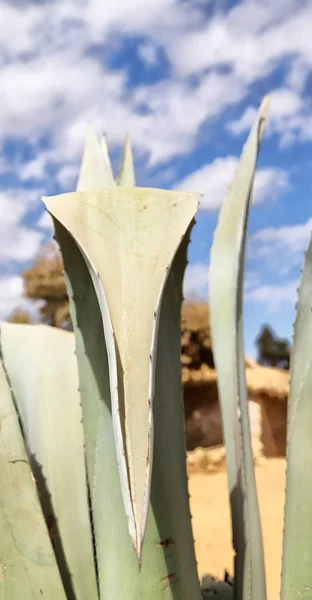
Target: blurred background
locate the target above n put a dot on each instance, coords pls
(184, 78)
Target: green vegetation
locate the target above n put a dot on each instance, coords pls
(272, 351)
(93, 486)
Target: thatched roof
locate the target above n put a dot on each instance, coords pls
(270, 382)
(261, 381)
(198, 365)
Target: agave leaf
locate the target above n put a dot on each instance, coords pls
(95, 171)
(167, 520)
(42, 371)
(110, 177)
(129, 237)
(28, 567)
(297, 553)
(221, 590)
(226, 290)
(126, 174)
(168, 563)
(169, 493)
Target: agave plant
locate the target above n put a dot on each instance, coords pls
(226, 280)
(119, 479)
(93, 488)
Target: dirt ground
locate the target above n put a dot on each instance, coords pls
(211, 521)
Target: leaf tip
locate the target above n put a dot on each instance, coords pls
(263, 112)
(126, 174)
(264, 106)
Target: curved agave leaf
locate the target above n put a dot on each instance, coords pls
(297, 553)
(168, 563)
(93, 279)
(42, 371)
(129, 237)
(126, 175)
(110, 177)
(28, 567)
(226, 290)
(95, 166)
(169, 492)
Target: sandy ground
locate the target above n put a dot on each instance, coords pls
(211, 521)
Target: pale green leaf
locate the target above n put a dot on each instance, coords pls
(226, 277)
(42, 370)
(126, 174)
(297, 549)
(109, 170)
(168, 569)
(220, 590)
(95, 171)
(28, 568)
(129, 237)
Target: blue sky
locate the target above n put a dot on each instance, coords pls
(184, 79)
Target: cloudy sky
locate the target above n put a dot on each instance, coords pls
(184, 79)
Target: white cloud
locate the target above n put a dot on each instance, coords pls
(18, 242)
(33, 169)
(252, 280)
(270, 183)
(51, 91)
(23, 23)
(16, 202)
(148, 53)
(244, 123)
(11, 297)
(126, 16)
(177, 109)
(11, 289)
(55, 87)
(281, 248)
(196, 281)
(4, 166)
(250, 38)
(214, 179)
(298, 74)
(273, 296)
(287, 114)
(284, 103)
(45, 222)
(37, 103)
(67, 176)
(52, 84)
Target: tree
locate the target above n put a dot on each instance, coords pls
(44, 281)
(19, 315)
(272, 351)
(196, 338)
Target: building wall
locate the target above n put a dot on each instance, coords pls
(274, 416)
(268, 418)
